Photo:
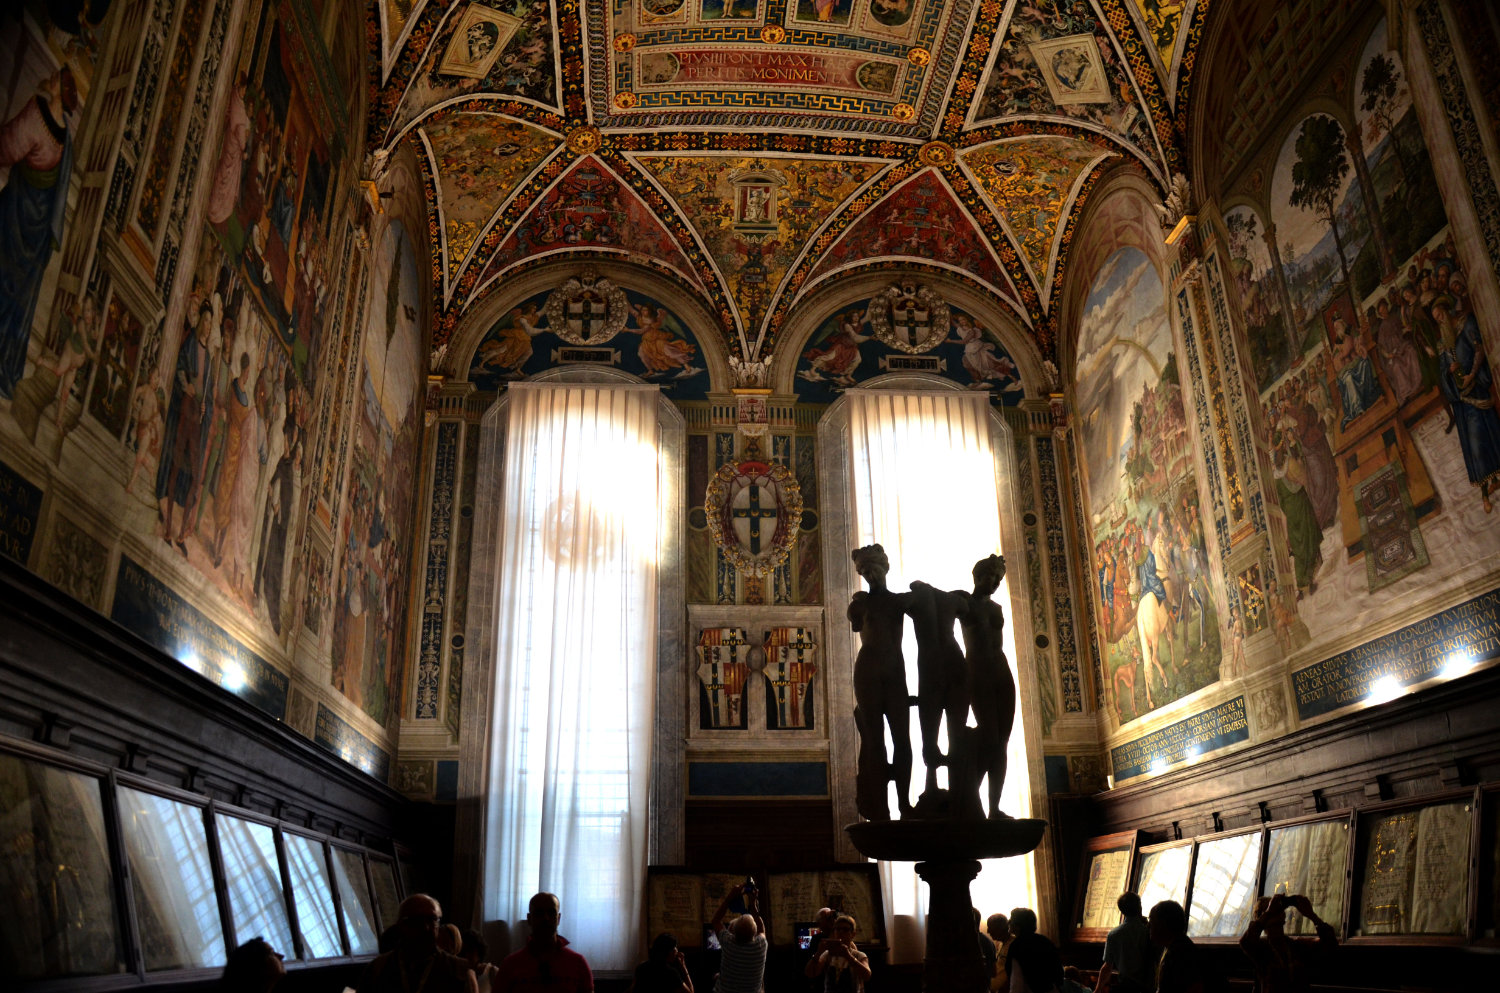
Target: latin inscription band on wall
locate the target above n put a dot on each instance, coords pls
(151, 609)
(20, 506)
(1463, 635)
(1199, 734)
(339, 736)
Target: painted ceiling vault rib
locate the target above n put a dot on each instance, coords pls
(754, 148)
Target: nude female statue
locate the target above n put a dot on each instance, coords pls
(880, 695)
(941, 684)
(992, 690)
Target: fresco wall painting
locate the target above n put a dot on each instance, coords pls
(1381, 426)
(651, 342)
(845, 350)
(376, 526)
(1153, 605)
(189, 435)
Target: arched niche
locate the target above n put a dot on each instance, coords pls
(993, 314)
(688, 307)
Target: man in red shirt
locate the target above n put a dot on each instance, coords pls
(546, 963)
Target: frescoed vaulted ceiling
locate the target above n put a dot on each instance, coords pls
(755, 149)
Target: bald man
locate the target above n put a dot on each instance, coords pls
(546, 963)
(417, 965)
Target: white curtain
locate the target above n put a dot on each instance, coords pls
(569, 780)
(923, 486)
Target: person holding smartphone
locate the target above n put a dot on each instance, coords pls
(1283, 964)
(743, 943)
(839, 961)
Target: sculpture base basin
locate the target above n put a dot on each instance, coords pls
(922, 840)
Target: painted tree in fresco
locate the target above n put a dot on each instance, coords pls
(1317, 176)
(1378, 86)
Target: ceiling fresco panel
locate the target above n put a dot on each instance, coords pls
(873, 66)
(1030, 184)
(506, 50)
(1058, 60)
(480, 160)
(756, 214)
(590, 207)
(920, 220)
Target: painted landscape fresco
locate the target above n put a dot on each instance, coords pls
(170, 332)
(1382, 431)
(1154, 608)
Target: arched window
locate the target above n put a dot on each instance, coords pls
(924, 468)
(579, 481)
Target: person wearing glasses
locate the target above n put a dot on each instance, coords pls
(418, 965)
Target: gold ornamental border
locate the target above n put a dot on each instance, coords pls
(715, 504)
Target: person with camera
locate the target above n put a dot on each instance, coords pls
(839, 961)
(1284, 964)
(743, 967)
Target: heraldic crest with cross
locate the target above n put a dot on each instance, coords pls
(754, 510)
(789, 672)
(722, 670)
(587, 310)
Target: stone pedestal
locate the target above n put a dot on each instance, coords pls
(947, 853)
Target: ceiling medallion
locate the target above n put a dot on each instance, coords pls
(936, 153)
(909, 317)
(903, 112)
(626, 99)
(624, 41)
(582, 141)
(587, 310)
(919, 56)
(773, 34)
(754, 510)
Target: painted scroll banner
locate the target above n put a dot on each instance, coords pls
(155, 611)
(716, 67)
(1459, 636)
(1199, 734)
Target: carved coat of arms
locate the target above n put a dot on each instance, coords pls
(754, 510)
(909, 317)
(588, 310)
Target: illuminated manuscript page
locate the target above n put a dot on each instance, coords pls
(1310, 859)
(852, 889)
(1383, 907)
(794, 899)
(1164, 876)
(1107, 874)
(1224, 886)
(1440, 882)
(674, 905)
